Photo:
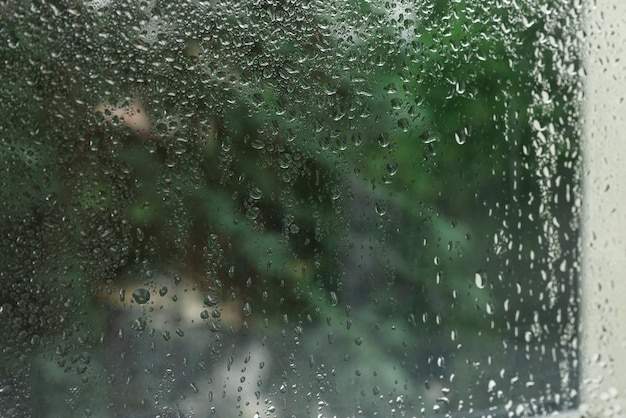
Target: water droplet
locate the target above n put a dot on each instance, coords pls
(141, 296)
(404, 124)
(381, 207)
(333, 299)
(211, 300)
(255, 193)
(253, 213)
(391, 88)
(441, 362)
(461, 135)
(392, 168)
(489, 308)
(139, 324)
(480, 278)
(247, 309)
(258, 144)
(358, 340)
(383, 140)
(163, 291)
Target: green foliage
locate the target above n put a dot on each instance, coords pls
(306, 149)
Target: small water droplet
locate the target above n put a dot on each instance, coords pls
(489, 308)
(333, 299)
(404, 124)
(141, 296)
(480, 278)
(383, 140)
(211, 300)
(461, 135)
(381, 207)
(247, 309)
(139, 324)
(392, 168)
(255, 193)
(441, 361)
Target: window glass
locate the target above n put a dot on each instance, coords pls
(277, 208)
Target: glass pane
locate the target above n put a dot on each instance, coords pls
(277, 208)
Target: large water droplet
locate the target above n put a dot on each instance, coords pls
(141, 296)
(480, 278)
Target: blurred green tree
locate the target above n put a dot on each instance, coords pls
(290, 158)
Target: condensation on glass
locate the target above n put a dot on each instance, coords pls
(277, 208)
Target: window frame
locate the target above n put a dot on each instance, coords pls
(603, 224)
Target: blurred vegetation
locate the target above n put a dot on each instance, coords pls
(389, 169)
